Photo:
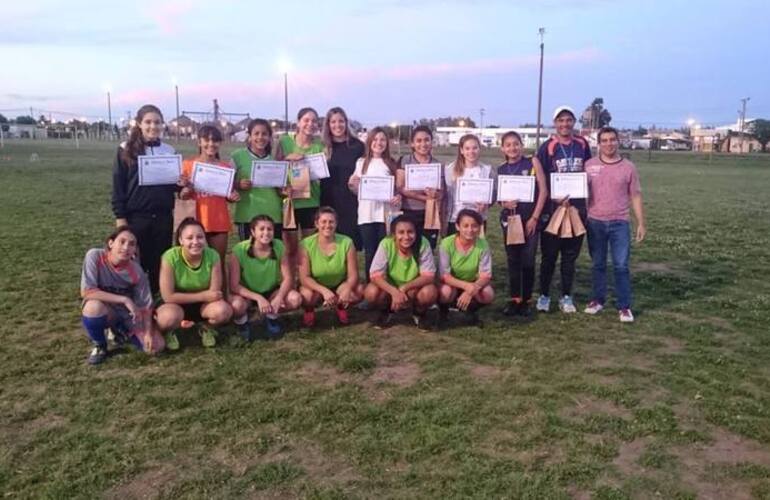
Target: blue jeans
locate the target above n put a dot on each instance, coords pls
(617, 235)
(371, 235)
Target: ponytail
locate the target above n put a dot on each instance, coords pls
(135, 144)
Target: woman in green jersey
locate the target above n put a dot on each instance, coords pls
(328, 269)
(465, 267)
(255, 200)
(402, 273)
(191, 286)
(260, 273)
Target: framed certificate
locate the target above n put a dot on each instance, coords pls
(156, 170)
(316, 163)
(516, 188)
(474, 190)
(375, 188)
(420, 177)
(269, 173)
(574, 185)
(212, 179)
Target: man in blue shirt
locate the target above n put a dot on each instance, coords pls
(564, 152)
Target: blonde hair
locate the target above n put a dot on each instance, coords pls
(459, 167)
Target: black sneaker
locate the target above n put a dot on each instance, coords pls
(474, 320)
(383, 320)
(512, 309)
(442, 320)
(420, 321)
(244, 331)
(98, 355)
(525, 310)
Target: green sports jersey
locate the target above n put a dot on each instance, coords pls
(399, 269)
(257, 200)
(328, 270)
(289, 146)
(464, 266)
(260, 275)
(186, 278)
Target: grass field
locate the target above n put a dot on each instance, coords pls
(676, 405)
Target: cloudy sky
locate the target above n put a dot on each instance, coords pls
(389, 60)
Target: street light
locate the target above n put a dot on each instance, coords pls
(108, 89)
(176, 93)
(541, 33)
(284, 65)
(462, 123)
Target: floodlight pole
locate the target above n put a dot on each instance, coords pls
(109, 113)
(176, 93)
(541, 33)
(286, 101)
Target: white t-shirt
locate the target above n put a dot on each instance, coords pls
(480, 171)
(372, 211)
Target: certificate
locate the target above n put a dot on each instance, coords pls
(574, 185)
(420, 177)
(474, 190)
(316, 163)
(375, 188)
(269, 173)
(516, 188)
(212, 179)
(155, 170)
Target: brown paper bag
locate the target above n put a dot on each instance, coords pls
(184, 209)
(299, 178)
(556, 219)
(578, 229)
(289, 222)
(432, 216)
(515, 233)
(566, 226)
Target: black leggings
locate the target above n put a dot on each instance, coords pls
(521, 267)
(550, 247)
(154, 234)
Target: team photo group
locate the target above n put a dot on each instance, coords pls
(303, 205)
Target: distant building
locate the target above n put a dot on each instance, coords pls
(23, 131)
(490, 137)
(725, 139)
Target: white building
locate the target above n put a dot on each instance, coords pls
(491, 137)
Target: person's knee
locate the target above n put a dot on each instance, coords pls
(219, 312)
(486, 295)
(94, 308)
(293, 300)
(372, 293)
(446, 294)
(427, 295)
(169, 316)
(239, 305)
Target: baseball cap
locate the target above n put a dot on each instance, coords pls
(559, 110)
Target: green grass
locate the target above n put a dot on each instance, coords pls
(676, 405)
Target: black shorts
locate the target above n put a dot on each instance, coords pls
(192, 312)
(305, 218)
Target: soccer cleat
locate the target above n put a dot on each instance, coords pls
(308, 318)
(97, 356)
(566, 305)
(626, 316)
(244, 330)
(342, 316)
(383, 320)
(593, 307)
(208, 336)
(172, 341)
(420, 321)
(513, 307)
(274, 328)
(543, 303)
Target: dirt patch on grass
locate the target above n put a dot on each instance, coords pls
(146, 485)
(502, 444)
(653, 267)
(484, 373)
(324, 375)
(585, 406)
(671, 345)
(629, 452)
(44, 422)
(402, 374)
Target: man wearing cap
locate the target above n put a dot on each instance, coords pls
(563, 153)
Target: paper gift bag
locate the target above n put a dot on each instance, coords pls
(289, 222)
(556, 219)
(566, 226)
(432, 216)
(184, 209)
(299, 178)
(515, 233)
(578, 229)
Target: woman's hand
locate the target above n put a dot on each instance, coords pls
(431, 193)
(330, 298)
(186, 193)
(264, 306)
(276, 304)
(234, 196)
(212, 295)
(396, 200)
(183, 181)
(244, 184)
(531, 226)
(464, 300)
(353, 183)
(132, 309)
(398, 300)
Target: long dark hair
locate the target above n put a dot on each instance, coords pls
(415, 248)
(468, 212)
(389, 161)
(260, 121)
(187, 221)
(114, 235)
(252, 224)
(135, 144)
(209, 132)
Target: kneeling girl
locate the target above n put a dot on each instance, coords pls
(191, 286)
(328, 269)
(402, 273)
(260, 273)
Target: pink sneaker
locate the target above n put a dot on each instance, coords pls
(308, 318)
(626, 316)
(342, 316)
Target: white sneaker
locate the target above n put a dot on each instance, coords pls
(543, 303)
(593, 307)
(626, 316)
(566, 305)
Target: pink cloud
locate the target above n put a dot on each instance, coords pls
(168, 16)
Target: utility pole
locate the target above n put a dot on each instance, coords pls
(541, 33)
(286, 101)
(176, 92)
(743, 120)
(481, 120)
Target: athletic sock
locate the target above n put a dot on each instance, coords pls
(241, 320)
(95, 329)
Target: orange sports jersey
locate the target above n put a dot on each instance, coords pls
(212, 211)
